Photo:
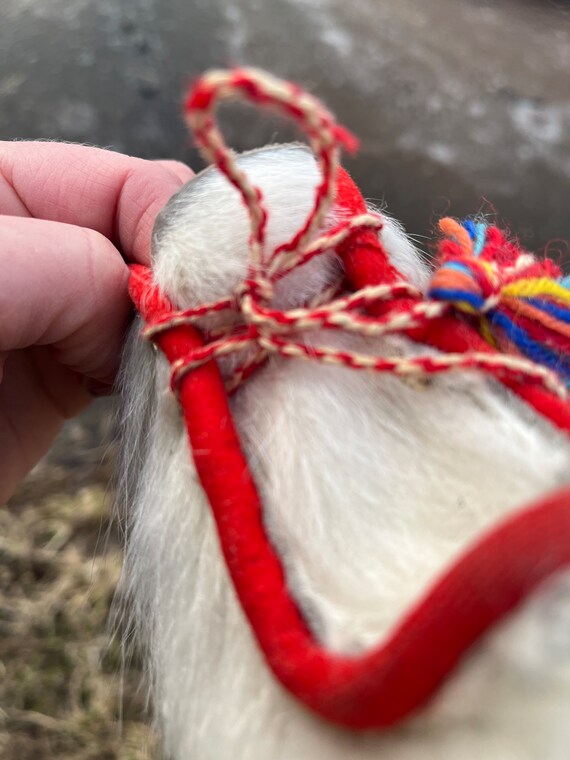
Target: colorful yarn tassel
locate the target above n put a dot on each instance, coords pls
(521, 304)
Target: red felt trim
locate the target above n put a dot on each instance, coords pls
(396, 678)
(385, 685)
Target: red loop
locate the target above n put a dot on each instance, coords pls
(388, 683)
(385, 685)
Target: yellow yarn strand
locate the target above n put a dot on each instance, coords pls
(486, 332)
(537, 287)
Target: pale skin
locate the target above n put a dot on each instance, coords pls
(71, 218)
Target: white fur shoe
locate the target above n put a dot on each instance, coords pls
(371, 487)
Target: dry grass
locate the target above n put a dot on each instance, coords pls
(62, 694)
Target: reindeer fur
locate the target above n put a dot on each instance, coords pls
(370, 488)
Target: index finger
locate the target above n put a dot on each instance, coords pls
(116, 195)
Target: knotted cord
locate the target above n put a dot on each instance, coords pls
(399, 674)
(270, 331)
(522, 303)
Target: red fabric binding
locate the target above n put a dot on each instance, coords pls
(385, 685)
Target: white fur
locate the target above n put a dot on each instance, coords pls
(370, 489)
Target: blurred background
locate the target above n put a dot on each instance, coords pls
(461, 106)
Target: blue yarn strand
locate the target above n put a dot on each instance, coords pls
(538, 352)
(457, 266)
(457, 296)
(561, 313)
(481, 234)
(471, 228)
(477, 232)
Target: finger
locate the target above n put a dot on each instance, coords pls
(115, 195)
(63, 286)
(36, 396)
(177, 168)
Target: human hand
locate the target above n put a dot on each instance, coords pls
(70, 219)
